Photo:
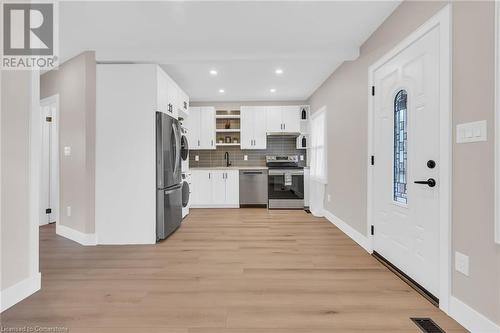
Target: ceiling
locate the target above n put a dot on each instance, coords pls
(245, 41)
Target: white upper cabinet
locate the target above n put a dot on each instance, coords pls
(162, 88)
(253, 127)
(201, 127)
(182, 102)
(274, 119)
(291, 118)
(171, 99)
(193, 126)
(283, 119)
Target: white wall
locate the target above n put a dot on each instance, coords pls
(125, 154)
(345, 93)
(20, 209)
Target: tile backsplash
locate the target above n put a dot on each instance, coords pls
(276, 145)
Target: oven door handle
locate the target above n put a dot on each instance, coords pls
(283, 172)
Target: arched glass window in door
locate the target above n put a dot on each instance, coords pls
(400, 147)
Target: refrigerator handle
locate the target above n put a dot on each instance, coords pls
(177, 147)
(159, 152)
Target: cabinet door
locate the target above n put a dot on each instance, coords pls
(232, 187)
(260, 128)
(162, 87)
(291, 118)
(218, 187)
(207, 125)
(183, 101)
(194, 128)
(247, 124)
(172, 97)
(201, 187)
(274, 121)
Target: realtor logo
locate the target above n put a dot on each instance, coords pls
(29, 36)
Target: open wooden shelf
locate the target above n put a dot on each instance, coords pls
(229, 130)
(227, 144)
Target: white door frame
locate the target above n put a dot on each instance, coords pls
(442, 20)
(50, 100)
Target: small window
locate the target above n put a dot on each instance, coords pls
(400, 147)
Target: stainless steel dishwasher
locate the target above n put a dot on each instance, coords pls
(253, 188)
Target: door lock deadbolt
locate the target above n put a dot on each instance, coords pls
(431, 164)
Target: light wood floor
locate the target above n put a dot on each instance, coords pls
(224, 270)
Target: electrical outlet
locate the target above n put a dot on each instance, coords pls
(67, 151)
(328, 197)
(462, 263)
(301, 157)
(68, 211)
(196, 157)
(245, 157)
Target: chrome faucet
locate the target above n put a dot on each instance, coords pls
(226, 157)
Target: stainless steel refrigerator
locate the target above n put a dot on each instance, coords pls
(168, 176)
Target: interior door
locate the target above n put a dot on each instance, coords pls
(406, 147)
(50, 160)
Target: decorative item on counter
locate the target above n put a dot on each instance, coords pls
(227, 125)
(235, 140)
(228, 139)
(304, 142)
(304, 114)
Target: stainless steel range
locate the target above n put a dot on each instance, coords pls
(285, 182)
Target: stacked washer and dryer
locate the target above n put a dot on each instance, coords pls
(186, 175)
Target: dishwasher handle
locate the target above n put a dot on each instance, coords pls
(252, 172)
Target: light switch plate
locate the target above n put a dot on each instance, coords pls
(471, 132)
(301, 157)
(245, 157)
(196, 157)
(68, 211)
(67, 151)
(462, 263)
(328, 197)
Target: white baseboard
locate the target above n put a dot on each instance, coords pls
(355, 235)
(470, 318)
(215, 206)
(16, 293)
(75, 235)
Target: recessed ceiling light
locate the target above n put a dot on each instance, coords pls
(278, 71)
(213, 72)
(221, 91)
(272, 90)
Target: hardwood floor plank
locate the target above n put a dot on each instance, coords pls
(223, 271)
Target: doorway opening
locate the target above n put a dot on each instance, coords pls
(49, 108)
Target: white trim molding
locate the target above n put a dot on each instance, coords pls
(355, 235)
(75, 235)
(442, 19)
(16, 293)
(497, 122)
(470, 318)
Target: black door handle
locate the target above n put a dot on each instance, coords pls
(429, 182)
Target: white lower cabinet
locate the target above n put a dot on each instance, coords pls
(215, 188)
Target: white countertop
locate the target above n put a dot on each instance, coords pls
(231, 168)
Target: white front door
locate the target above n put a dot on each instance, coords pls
(406, 149)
